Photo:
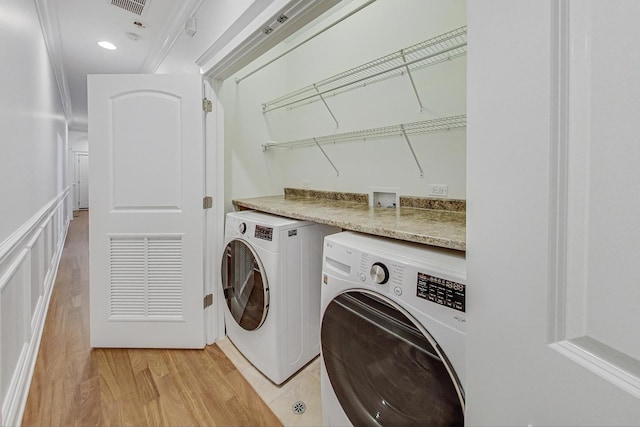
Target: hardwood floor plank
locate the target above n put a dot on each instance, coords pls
(155, 414)
(75, 385)
(90, 410)
(174, 405)
(146, 386)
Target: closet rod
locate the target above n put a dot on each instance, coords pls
(358, 9)
(372, 76)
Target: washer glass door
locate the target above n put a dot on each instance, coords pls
(244, 284)
(384, 368)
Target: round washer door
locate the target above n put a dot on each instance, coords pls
(384, 368)
(244, 284)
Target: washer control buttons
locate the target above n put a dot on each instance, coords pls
(362, 276)
(242, 228)
(379, 273)
(397, 290)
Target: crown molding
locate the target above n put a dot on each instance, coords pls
(174, 28)
(248, 42)
(50, 26)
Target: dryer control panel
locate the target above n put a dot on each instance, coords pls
(441, 291)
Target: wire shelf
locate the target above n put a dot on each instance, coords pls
(432, 125)
(429, 52)
(404, 130)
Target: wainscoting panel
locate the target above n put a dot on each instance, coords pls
(36, 247)
(28, 265)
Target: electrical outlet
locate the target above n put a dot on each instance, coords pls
(438, 190)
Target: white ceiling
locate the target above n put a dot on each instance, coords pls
(73, 27)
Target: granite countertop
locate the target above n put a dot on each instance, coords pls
(434, 225)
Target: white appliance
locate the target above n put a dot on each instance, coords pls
(271, 269)
(392, 332)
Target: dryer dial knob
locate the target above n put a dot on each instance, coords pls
(379, 273)
(242, 228)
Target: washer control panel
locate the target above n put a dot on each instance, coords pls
(264, 233)
(441, 291)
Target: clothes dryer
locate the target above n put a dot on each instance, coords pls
(271, 270)
(392, 333)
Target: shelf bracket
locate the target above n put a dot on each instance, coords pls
(326, 105)
(413, 84)
(406, 138)
(327, 157)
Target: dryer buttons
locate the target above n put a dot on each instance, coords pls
(397, 290)
(242, 228)
(362, 276)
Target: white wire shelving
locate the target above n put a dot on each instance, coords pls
(427, 53)
(401, 130)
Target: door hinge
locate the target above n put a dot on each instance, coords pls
(207, 202)
(208, 300)
(207, 106)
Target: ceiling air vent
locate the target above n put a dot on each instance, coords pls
(134, 6)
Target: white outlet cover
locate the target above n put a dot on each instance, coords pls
(438, 190)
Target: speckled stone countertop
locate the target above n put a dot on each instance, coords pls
(433, 226)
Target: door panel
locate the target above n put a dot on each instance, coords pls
(160, 186)
(146, 218)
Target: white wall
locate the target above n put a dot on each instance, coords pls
(33, 217)
(78, 141)
(31, 119)
(381, 28)
(369, 34)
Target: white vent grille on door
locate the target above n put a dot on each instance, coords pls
(134, 6)
(165, 277)
(146, 278)
(127, 278)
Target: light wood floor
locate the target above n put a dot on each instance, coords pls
(74, 385)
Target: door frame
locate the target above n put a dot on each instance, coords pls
(76, 177)
(214, 218)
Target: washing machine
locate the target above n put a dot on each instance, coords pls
(392, 333)
(271, 269)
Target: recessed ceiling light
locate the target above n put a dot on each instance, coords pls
(107, 45)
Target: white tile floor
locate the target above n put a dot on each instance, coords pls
(303, 386)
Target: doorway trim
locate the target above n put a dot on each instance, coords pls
(76, 178)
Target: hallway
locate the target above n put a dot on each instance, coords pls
(74, 385)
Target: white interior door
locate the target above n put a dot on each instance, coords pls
(83, 181)
(146, 218)
(553, 319)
